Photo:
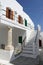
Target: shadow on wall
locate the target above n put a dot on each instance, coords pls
(3, 37)
(16, 34)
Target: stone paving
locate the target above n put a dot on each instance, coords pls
(25, 61)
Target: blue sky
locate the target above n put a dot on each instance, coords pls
(34, 8)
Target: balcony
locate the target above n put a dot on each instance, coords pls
(12, 23)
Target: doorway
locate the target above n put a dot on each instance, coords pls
(40, 43)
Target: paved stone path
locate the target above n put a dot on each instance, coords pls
(25, 61)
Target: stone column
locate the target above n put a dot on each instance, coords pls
(9, 45)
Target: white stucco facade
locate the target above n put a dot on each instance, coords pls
(15, 6)
(16, 29)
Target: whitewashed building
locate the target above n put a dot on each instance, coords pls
(17, 34)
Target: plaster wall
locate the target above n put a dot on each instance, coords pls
(13, 4)
(3, 36)
(29, 21)
(16, 33)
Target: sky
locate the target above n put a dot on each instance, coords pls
(34, 8)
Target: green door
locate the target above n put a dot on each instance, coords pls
(20, 39)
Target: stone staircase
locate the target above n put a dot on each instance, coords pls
(30, 50)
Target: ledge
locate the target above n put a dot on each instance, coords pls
(13, 24)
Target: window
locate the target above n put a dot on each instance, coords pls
(12, 15)
(20, 19)
(9, 13)
(40, 43)
(20, 39)
(25, 22)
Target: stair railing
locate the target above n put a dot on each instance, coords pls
(36, 42)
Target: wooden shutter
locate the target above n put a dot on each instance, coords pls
(12, 15)
(7, 12)
(20, 20)
(25, 22)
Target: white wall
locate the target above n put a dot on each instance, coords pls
(16, 33)
(13, 4)
(29, 21)
(29, 35)
(3, 35)
(6, 55)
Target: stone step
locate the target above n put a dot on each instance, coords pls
(27, 52)
(28, 49)
(29, 46)
(27, 55)
(29, 43)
